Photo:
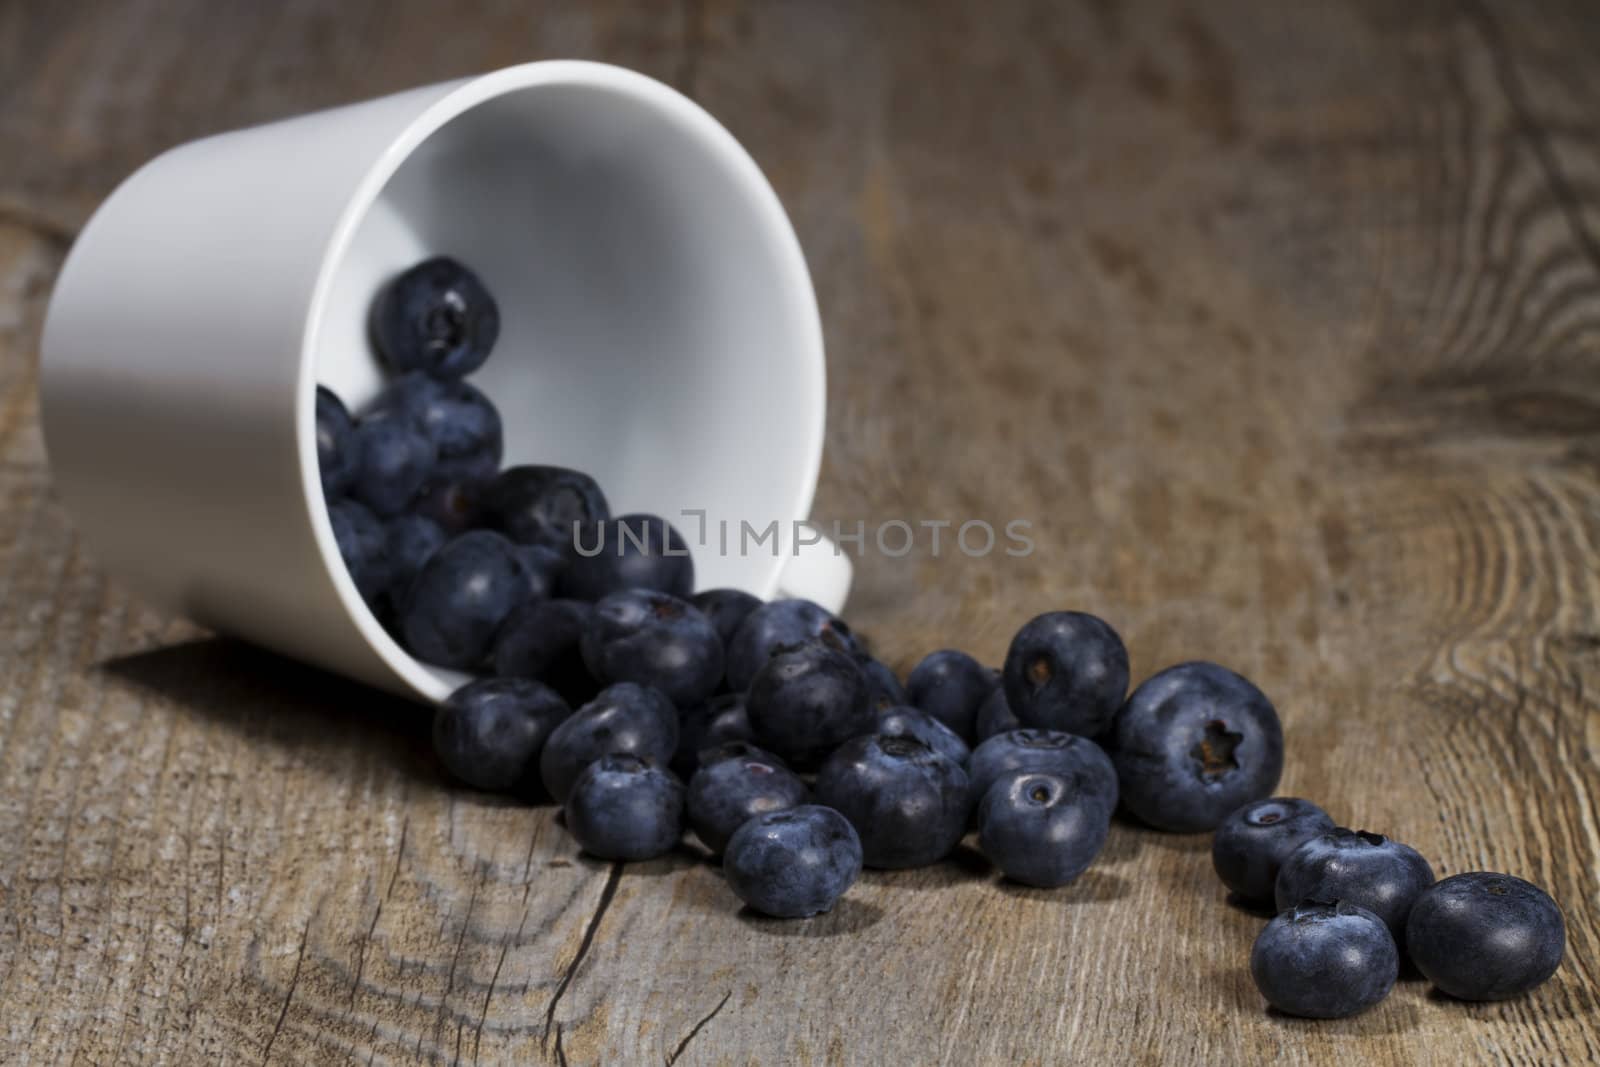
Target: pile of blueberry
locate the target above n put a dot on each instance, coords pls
(1351, 905)
(772, 732)
(467, 565)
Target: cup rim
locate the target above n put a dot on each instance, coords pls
(435, 683)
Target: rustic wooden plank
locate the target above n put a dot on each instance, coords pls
(1278, 321)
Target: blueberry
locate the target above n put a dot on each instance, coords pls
(911, 722)
(1252, 843)
(773, 625)
(995, 716)
(1485, 936)
(454, 505)
(1191, 745)
(542, 639)
(726, 608)
(793, 864)
(550, 506)
(489, 732)
(464, 425)
(633, 552)
(1079, 762)
(1324, 960)
(887, 692)
(737, 782)
(364, 546)
(808, 699)
(907, 802)
(336, 453)
(1040, 830)
(394, 456)
(639, 635)
(623, 807)
(1365, 869)
(544, 566)
(950, 685)
(436, 317)
(459, 598)
(707, 725)
(1067, 671)
(412, 541)
(623, 718)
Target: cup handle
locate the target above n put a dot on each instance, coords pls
(815, 568)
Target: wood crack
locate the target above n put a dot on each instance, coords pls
(294, 982)
(561, 1052)
(442, 1019)
(505, 946)
(366, 942)
(606, 896)
(672, 1057)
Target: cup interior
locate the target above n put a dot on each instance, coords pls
(658, 326)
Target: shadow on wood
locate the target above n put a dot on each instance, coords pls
(1561, 997)
(1250, 908)
(1122, 844)
(1393, 1016)
(1090, 887)
(1139, 835)
(963, 865)
(682, 857)
(849, 916)
(279, 701)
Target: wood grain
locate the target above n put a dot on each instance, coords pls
(1281, 323)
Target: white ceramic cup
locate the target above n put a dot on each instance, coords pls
(659, 331)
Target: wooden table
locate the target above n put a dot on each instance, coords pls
(1279, 320)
